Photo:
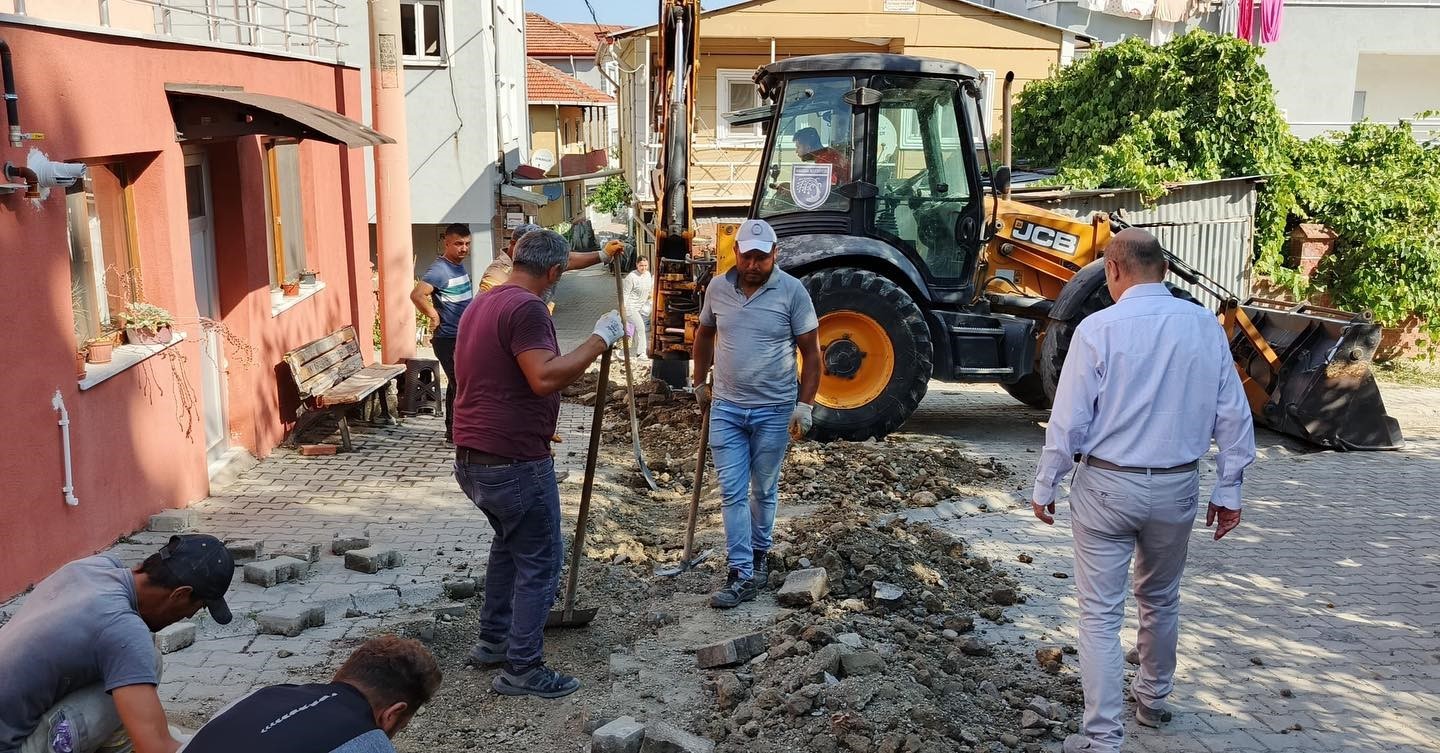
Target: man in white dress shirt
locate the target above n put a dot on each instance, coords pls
(1147, 384)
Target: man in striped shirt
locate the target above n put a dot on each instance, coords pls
(442, 295)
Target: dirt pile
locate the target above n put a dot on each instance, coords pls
(886, 662)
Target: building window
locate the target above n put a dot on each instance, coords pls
(949, 135)
(103, 266)
(422, 31)
(734, 90)
(287, 215)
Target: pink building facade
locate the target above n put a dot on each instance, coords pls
(214, 176)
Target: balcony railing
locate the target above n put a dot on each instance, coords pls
(298, 27)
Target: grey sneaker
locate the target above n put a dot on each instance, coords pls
(760, 575)
(542, 682)
(488, 653)
(737, 590)
(1077, 744)
(1154, 718)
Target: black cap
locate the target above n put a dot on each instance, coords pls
(202, 563)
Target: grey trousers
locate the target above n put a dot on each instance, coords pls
(84, 721)
(1116, 516)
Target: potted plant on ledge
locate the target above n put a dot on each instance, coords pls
(290, 288)
(147, 324)
(99, 349)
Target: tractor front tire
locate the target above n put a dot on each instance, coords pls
(1030, 390)
(877, 353)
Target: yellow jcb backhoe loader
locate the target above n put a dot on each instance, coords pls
(921, 267)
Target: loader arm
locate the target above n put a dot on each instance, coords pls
(1305, 369)
(679, 277)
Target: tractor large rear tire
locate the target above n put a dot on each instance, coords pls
(1056, 344)
(879, 371)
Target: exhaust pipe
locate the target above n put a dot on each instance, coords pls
(1005, 115)
(12, 99)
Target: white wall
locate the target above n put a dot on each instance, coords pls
(1398, 86)
(1102, 26)
(1315, 65)
(460, 116)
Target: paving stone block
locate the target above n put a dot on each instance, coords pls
(418, 594)
(450, 610)
(377, 601)
(272, 572)
(803, 588)
(372, 559)
(290, 621)
(861, 663)
(460, 589)
(731, 651)
(172, 638)
(663, 737)
(624, 735)
(307, 553)
(173, 521)
(245, 551)
(346, 542)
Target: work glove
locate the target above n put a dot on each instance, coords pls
(610, 251)
(702, 395)
(610, 328)
(801, 419)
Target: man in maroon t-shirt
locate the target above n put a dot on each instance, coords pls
(509, 373)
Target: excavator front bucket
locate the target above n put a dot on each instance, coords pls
(1309, 373)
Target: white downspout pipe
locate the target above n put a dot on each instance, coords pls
(58, 403)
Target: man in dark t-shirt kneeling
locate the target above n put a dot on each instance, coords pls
(509, 373)
(372, 698)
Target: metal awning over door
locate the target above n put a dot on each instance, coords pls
(218, 112)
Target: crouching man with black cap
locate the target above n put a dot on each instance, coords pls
(78, 665)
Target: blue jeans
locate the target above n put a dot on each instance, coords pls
(522, 503)
(748, 445)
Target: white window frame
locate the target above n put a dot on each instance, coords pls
(420, 59)
(747, 136)
(910, 125)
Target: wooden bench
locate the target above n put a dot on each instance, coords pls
(332, 377)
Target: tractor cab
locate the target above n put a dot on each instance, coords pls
(875, 155)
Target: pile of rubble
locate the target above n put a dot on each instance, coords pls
(880, 658)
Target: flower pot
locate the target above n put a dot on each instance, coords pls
(308, 278)
(79, 364)
(290, 289)
(148, 337)
(99, 352)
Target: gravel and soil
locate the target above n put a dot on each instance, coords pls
(889, 668)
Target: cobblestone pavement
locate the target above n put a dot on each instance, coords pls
(1332, 582)
(1330, 588)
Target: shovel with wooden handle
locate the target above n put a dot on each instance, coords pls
(687, 562)
(630, 384)
(568, 615)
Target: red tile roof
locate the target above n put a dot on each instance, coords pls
(595, 31)
(545, 38)
(548, 85)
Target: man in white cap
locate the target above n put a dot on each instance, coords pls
(757, 315)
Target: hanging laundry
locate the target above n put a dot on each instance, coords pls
(1161, 31)
(1141, 9)
(1229, 16)
(1270, 11)
(1245, 21)
(1171, 11)
(1097, 6)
